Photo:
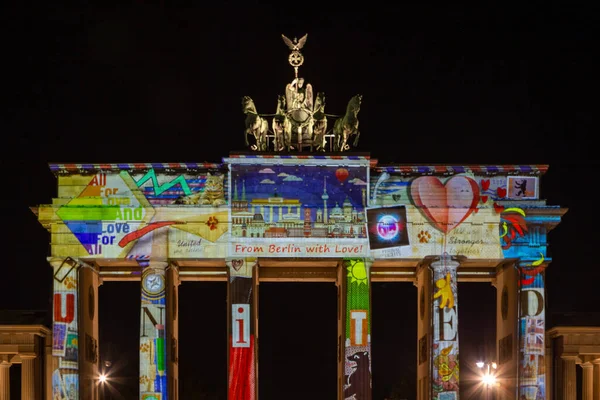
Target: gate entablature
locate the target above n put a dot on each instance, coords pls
(309, 206)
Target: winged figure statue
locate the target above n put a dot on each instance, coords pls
(296, 44)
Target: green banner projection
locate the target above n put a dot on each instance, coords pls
(357, 348)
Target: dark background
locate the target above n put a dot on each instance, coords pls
(492, 83)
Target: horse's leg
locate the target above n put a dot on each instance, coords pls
(356, 138)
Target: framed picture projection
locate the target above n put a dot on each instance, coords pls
(387, 227)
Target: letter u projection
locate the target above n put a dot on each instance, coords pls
(65, 331)
(153, 352)
(357, 348)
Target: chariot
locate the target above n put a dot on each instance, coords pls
(300, 121)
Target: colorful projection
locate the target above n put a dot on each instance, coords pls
(279, 207)
(532, 322)
(242, 362)
(129, 215)
(357, 348)
(65, 331)
(153, 352)
(445, 368)
(298, 210)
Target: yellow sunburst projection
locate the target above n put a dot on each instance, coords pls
(357, 272)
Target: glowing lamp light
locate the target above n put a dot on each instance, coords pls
(102, 378)
(488, 379)
(479, 364)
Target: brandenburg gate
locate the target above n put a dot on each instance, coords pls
(300, 204)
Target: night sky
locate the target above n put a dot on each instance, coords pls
(140, 82)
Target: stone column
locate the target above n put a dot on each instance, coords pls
(172, 281)
(341, 328)
(89, 332)
(424, 330)
(243, 329)
(587, 387)
(28, 383)
(153, 333)
(5, 380)
(444, 310)
(596, 378)
(357, 329)
(507, 296)
(569, 377)
(532, 332)
(65, 328)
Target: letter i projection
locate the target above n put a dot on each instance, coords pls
(444, 351)
(153, 352)
(242, 376)
(532, 331)
(65, 330)
(357, 348)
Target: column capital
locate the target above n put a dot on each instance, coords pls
(586, 365)
(444, 261)
(571, 357)
(27, 356)
(6, 359)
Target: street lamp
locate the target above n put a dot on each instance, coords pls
(488, 378)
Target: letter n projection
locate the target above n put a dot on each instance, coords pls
(242, 358)
(357, 348)
(532, 330)
(153, 352)
(65, 330)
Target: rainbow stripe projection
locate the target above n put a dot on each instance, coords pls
(444, 352)
(357, 348)
(65, 331)
(153, 352)
(242, 361)
(532, 330)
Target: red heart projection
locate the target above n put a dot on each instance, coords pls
(445, 205)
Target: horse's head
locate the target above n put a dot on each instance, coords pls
(281, 104)
(320, 102)
(355, 102)
(248, 105)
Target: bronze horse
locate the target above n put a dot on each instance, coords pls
(281, 142)
(320, 123)
(347, 125)
(256, 126)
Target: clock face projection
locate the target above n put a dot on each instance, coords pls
(153, 283)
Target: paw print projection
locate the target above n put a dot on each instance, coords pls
(424, 237)
(212, 222)
(70, 282)
(445, 292)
